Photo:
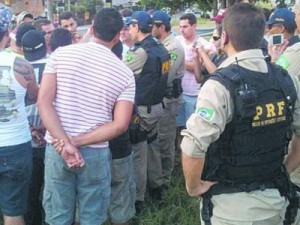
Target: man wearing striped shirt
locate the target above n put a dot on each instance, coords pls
(81, 86)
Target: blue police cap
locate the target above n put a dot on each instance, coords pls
(142, 19)
(161, 17)
(126, 21)
(283, 16)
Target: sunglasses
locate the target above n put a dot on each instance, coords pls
(215, 38)
(273, 25)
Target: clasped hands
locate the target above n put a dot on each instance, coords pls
(69, 152)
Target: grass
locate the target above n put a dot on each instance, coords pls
(201, 22)
(175, 208)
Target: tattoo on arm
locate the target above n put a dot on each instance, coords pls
(22, 67)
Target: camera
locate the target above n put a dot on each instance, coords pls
(276, 39)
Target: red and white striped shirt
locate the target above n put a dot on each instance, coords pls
(90, 79)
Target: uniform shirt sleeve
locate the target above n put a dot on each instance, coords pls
(289, 60)
(135, 60)
(213, 111)
(178, 64)
(51, 65)
(296, 114)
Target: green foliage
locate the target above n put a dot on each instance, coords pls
(88, 5)
(176, 207)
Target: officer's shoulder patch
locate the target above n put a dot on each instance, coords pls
(283, 62)
(173, 56)
(206, 114)
(128, 57)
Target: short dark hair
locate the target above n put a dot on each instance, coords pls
(22, 30)
(60, 37)
(167, 27)
(190, 17)
(107, 24)
(126, 12)
(41, 22)
(244, 25)
(144, 30)
(65, 16)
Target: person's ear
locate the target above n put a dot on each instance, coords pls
(225, 38)
(116, 39)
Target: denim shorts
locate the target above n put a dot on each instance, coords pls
(186, 110)
(88, 187)
(15, 176)
(123, 190)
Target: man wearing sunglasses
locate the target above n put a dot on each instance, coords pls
(282, 21)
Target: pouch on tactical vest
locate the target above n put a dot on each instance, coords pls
(136, 134)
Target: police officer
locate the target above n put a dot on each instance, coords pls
(150, 62)
(235, 142)
(173, 99)
(289, 61)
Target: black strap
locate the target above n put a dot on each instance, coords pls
(152, 138)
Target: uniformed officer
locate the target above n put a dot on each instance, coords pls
(282, 21)
(150, 62)
(173, 99)
(289, 61)
(235, 141)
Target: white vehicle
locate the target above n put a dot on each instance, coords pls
(188, 11)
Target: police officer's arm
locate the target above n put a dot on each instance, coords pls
(178, 67)
(135, 60)
(292, 161)
(24, 74)
(214, 111)
(293, 158)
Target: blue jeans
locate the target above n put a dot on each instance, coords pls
(123, 190)
(89, 186)
(15, 175)
(186, 110)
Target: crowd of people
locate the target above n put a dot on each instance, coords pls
(90, 123)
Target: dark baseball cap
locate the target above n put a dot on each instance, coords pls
(161, 17)
(283, 16)
(34, 45)
(22, 30)
(142, 19)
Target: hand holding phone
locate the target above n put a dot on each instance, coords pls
(276, 39)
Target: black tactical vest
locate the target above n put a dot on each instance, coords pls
(151, 83)
(250, 152)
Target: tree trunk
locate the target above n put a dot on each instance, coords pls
(50, 10)
(215, 7)
(223, 4)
